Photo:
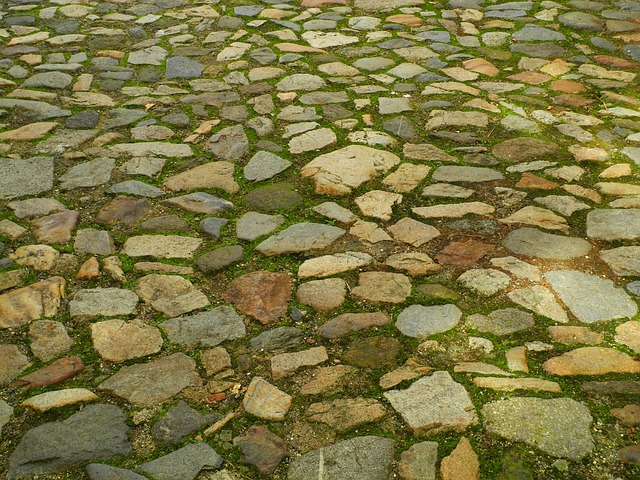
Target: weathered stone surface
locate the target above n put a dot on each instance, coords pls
(346, 413)
(161, 246)
(566, 424)
(262, 295)
(57, 372)
(280, 338)
(382, 287)
(352, 322)
(25, 177)
(512, 384)
(23, 305)
(539, 300)
(209, 328)
(265, 401)
(59, 398)
(180, 421)
(520, 150)
(97, 432)
(328, 380)
(14, 362)
(323, 295)
(531, 242)
(338, 172)
(420, 321)
(183, 464)
(463, 254)
(461, 463)
(485, 281)
(590, 298)
(106, 302)
(373, 352)
(624, 261)
(261, 448)
(117, 340)
(434, 404)
(207, 176)
(220, 258)
(230, 143)
(591, 361)
(613, 224)
(170, 294)
(98, 471)
(300, 237)
(285, 364)
(419, 462)
(327, 265)
(367, 457)
(153, 382)
(501, 322)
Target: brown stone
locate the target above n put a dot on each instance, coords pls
(572, 100)
(55, 228)
(352, 322)
(261, 448)
(461, 464)
(295, 48)
(410, 370)
(463, 254)
(210, 175)
(382, 287)
(215, 360)
(566, 86)
(285, 364)
(117, 340)
(532, 78)
(89, 269)
(481, 65)
(574, 335)
(413, 232)
(41, 299)
(373, 352)
(327, 380)
(33, 131)
(122, 209)
(346, 413)
(266, 401)
(323, 295)
(49, 339)
(405, 19)
(518, 150)
(629, 415)
(262, 295)
(53, 374)
(172, 295)
(13, 362)
(591, 361)
(532, 181)
(615, 62)
(628, 334)
(630, 454)
(413, 263)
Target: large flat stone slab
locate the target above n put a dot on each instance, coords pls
(207, 329)
(620, 224)
(161, 246)
(367, 457)
(532, 242)
(420, 321)
(31, 176)
(590, 298)
(105, 302)
(434, 404)
(559, 427)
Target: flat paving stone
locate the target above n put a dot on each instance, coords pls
(532, 242)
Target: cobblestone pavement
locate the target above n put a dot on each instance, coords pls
(334, 239)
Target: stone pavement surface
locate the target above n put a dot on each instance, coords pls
(339, 239)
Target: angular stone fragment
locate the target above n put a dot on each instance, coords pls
(419, 462)
(591, 361)
(55, 228)
(208, 176)
(566, 424)
(261, 448)
(117, 341)
(590, 298)
(378, 203)
(614, 224)
(539, 300)
(23, 177)
(285, 364)
(262, 295)
(367, 457)
(153, 382)
(462, 463)
(520, 150)
(180, 421)
(338, 172)
(512, 384)
(300, 237)
(463, 254)
(346, 413)
(13, 362)
(327, 265)
(170, 294)
(49, 339)
(200, 202)
(434, 404)
(23, 305)
(323, 295)
(265, 401)
(454, 210)
(209, 328)
(485, 281)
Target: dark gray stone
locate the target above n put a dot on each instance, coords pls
(182, 67)
(400, 126)
(183, 464)
(212, 226)
(98, 471)
(165, 224)
(86, 119)
(181, 420)
(279, 196)
(25, 177)
(96, 432)
(366, 457)
(230, 143)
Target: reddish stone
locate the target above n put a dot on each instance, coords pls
(463, 254)
(57, 372)
(261, 448)
(123, 210)
(405, 19)
(615, 62)
(566, 86)
(262, 295)
(629, 415)
(215, 397)
(529, 180)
